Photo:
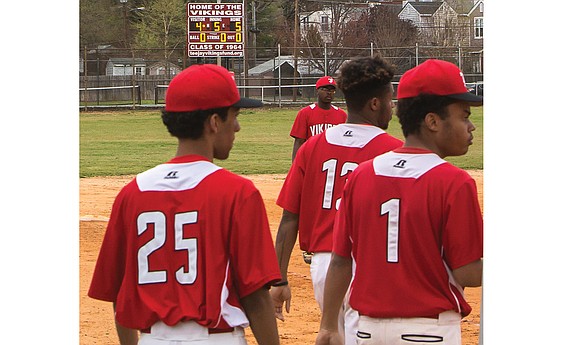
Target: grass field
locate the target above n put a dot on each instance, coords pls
(128, 142)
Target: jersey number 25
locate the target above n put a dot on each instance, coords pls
(158, 220)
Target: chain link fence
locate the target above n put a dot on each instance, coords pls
(113, 77)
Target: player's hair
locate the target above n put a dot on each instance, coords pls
(189, 125)
(361, 79)
(412, 111)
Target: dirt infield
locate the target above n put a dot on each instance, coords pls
(301, 325)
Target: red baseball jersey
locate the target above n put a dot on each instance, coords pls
(315, 180)
(312, 120)
(185, 241)
(407, 218)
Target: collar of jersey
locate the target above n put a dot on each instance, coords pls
(416, 150)
(188, 159)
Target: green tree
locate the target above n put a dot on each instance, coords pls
(161, 25)
(100, 22)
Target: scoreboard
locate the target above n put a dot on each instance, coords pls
(215, 29)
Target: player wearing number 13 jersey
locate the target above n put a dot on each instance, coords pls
(311, 191)
(188, 255)
(411, 223)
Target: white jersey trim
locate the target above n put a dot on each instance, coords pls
(175, 176)
(313, 105)
(453, 282)
(232, 315)
(405, 165)
(352, 135)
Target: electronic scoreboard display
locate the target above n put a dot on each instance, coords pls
(215, 29)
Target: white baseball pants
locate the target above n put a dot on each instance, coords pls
(190, 333)
(348, 317)
(406, 331)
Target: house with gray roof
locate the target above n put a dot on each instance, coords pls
(126, 66)
(446, 22)
(282, 67)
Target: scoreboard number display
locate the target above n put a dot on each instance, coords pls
(215, 29)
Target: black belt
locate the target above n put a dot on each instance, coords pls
(209, 330)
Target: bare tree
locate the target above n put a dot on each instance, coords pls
(316, 39)
(381, 27)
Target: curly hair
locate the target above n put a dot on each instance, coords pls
(412, 111)
(189, 125)
(361, 79)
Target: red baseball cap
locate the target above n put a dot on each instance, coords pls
(202, 87)
(325, 81)
(436, 77)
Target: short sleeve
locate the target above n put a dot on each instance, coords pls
(300, 128)
(291, 191)
(109, 269)
(254, 262)
(463, 232)
(342, 232)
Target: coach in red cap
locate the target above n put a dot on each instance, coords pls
(187, 255)
(412, 222)
(317, 117)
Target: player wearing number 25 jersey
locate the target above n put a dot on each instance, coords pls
(187, 255)
(411, 223)
(169, 231)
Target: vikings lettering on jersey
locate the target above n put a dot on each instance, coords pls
(319, 128)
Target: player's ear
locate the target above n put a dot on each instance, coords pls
(213, 123)
(374, 103)
(432, 121)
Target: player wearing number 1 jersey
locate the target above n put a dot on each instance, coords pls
(411, 222)
(310, 194)
(188, 255)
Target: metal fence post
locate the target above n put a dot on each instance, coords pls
(325, 60)
(86, 81)
(279, 78)
(417, 54)
(459, 55)
(133, 78)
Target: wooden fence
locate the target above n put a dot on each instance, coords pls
(145, 84)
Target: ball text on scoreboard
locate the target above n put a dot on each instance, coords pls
(215, 29)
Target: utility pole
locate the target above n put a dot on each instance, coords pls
(124, 2)
(295, 53)
(254, 30)
(219, 58)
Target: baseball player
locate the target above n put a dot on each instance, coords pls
(310, 194)
(182, 260)
(411, 222)
(317, 117)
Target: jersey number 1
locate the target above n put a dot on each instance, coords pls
(157, 219)
(391, 210)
